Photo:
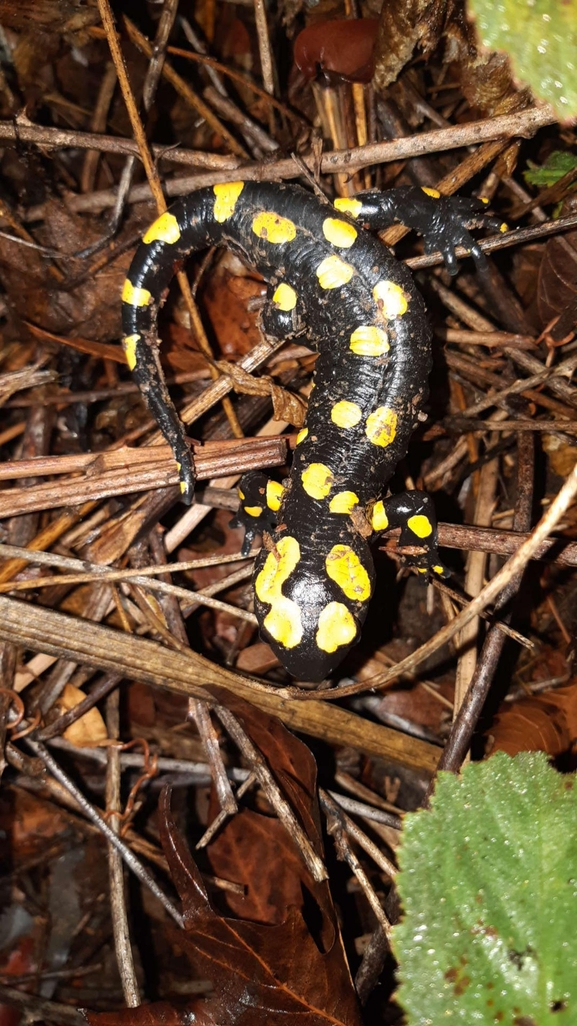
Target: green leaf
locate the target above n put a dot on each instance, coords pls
(488, 883)
(541, 38)
(558, 164)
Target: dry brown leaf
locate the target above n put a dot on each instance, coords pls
(542, 723)
(90, 729)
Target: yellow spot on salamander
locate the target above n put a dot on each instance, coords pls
(348, 206)
(274, 228)
(226, 199)
(340, 233)
(368, 340)
(274, 494)
(379, 518)
(283, 622)
(439, 569)
(135, 296)
(129, 342)
(484, 200)
(183, 486)
(337, 627)
(433, 193)
(345, 569)
(504, 227)
(390, 298)
(253, 511)
(302, 435)
(343, 502)
(285, 297)
(346, 414)
(241, 495)
(333, 272)
(381, 426)
(420, 525)
(277, 569)
(164, 229)
(317, 480)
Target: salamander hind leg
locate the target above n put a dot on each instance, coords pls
(260, 500)
(414, 513)
(281, 317)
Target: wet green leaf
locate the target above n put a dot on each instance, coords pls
(557, 165)
(489, 886)
(541, 39)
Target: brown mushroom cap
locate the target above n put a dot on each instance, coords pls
(343, 47)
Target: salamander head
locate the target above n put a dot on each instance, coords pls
(311, 607)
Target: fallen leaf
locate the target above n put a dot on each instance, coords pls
(262, 975)
(256, 851)
(542, 723)
(273, 973)
(89, 729)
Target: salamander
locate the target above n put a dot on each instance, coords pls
(332, 281)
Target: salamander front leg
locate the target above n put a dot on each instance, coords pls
(260, 501)
(449, 227)
(414, 513)
(443, 221)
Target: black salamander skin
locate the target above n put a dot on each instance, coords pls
(359, 308)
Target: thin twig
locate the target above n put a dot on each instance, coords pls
(272, 791)
(149, 88)
(120, 472)
(122, 945)
(131, 108)
(197, 711)
(103, 688)
(358, 835)
(117, 575)
(64, 138)
(557, 551)
(462, 600)
(464, 723)
(266, 62)
(95, 817)
(366, 811)
(200, 714)
(37, 1009)
(525, 123)
(337, 829)
(224, 814)
(259, 140)
(70, 563)
(372, 964)
(200, 771)
(51, 974)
